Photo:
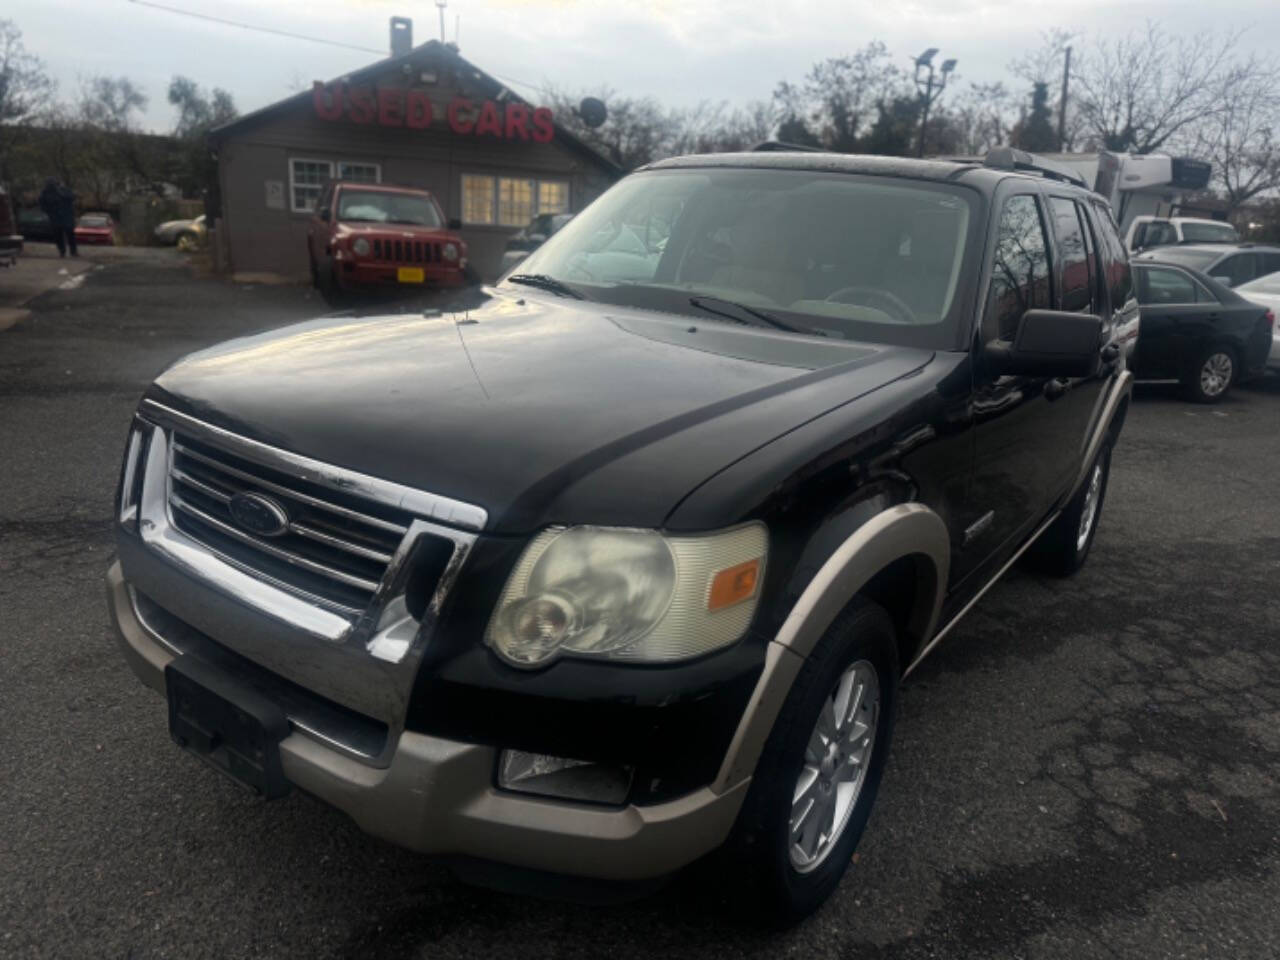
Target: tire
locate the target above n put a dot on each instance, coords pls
(330, 291)
(777, 879)
(1211, 374)
(1064, 547)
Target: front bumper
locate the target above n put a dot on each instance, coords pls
(438, 796)
(358, 273)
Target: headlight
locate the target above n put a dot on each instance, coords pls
(360, 247)
(450, 251)
(631, 595)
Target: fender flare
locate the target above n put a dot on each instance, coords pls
(908, 530)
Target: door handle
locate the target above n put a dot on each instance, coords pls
(1056, 388)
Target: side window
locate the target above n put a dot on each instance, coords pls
(326, 200)
(1160, 233)
(1268, 263)
(1236, 270)
(1092, 258)
(1116, 272)
(1073, 256)
(1161, 286)
(1204, 295)
(1020, 270)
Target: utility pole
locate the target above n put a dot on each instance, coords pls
(929, 88)
(1062, 104)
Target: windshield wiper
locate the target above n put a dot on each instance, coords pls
(544, 282)
(704, 302)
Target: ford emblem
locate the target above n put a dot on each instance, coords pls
(258, 514)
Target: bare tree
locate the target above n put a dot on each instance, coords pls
(1242, 137)
(983, 115)
(25, 89)
(1145, 90)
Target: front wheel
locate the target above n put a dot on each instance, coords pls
(820, 770)
(1210, 375)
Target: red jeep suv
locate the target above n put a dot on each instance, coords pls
(365, 236)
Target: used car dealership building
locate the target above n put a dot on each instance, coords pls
(425, 117)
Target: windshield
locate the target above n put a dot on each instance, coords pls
(836, 255)
(374, 206)
(1209, 233)
(1195, 259)
(94, 220)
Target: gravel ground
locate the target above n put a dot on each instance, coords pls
(1084, 769)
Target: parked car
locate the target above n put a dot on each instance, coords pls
(95, 228)
(628, 562)
(369, 236)
(1196, 330)
(1266, 291)
(1229, 264)
(531, 236)
(10, 239)
(34, 225)
(186, 235)
(1147, 232)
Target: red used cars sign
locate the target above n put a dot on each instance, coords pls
(395, 107)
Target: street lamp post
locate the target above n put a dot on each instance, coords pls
(929, 87)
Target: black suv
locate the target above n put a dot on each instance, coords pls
(626, 562)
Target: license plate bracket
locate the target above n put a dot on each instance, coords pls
(227, 724)
(411, 275)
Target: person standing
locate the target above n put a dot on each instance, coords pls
(59, 205)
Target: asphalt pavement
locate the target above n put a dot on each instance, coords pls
(1086, 768)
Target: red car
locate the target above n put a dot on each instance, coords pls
(365, 236)
(95, 228)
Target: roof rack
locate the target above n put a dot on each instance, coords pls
(1007, 158)
(781, 146)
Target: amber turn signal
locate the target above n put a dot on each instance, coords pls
(733, 585)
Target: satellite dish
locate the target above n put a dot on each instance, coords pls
(592, 111)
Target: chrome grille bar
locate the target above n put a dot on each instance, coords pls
(287, 556)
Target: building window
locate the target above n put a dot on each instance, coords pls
(510, 201)
(307, 178)
(359, 172)
(477, 199)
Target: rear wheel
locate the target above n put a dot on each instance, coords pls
(1210, 375)
(1064, 547)
(818, 776)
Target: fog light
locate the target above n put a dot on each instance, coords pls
(548, 776)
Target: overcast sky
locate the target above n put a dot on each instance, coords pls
(678, 52)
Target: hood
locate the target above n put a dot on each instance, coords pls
(540, 410)
(406, 231)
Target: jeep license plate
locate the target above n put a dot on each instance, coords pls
(411, 274)
(228, 725)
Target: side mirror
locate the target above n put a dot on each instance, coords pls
(454, 223)
(537, 238)
(1049, 343)
(1225, 281)
(324, 215)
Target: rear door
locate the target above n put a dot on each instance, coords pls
(1177, 315)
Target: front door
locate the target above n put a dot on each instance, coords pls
(1027, 444)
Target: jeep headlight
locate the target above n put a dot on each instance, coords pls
(360, 247)
(450, 251)
(631, 595)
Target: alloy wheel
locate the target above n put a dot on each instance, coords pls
(1215, 374)
(1090, 512)
(836, 759)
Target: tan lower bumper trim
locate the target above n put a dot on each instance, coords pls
(437, 796)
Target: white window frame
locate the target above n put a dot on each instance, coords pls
(495, 179)
(334, 166)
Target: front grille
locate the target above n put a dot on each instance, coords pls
(335, 551)
(407, 251)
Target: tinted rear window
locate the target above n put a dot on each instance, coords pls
(1196, 259)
